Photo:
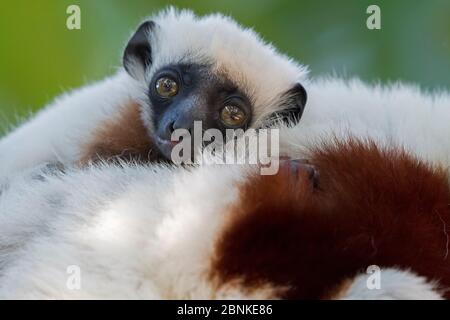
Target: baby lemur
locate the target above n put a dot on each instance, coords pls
(177, 69)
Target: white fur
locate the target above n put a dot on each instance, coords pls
(394, 285)
(135, 232)
(393, 115)
(58, 132)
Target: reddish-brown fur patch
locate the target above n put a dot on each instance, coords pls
(339, 291)
(124, 138)
(371, 207)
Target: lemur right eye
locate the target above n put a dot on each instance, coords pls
(232, 116)
(166, 87)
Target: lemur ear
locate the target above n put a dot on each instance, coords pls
(294, 102)
(138, 53)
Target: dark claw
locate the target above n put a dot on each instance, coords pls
(297, 166)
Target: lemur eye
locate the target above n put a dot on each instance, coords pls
(232, 116)
(166, 87)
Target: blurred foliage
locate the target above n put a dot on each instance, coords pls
(40, 58)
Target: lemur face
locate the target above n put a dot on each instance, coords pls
(183, 93)
(210, 70)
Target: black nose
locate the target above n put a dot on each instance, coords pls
(169, 128)
(181, 121)
(184, 120)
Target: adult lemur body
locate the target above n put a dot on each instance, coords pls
(357, 222)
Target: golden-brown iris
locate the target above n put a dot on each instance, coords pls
(166, 87)
(232, 116)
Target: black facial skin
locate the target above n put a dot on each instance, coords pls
(201, 97)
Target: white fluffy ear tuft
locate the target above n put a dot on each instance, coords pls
(137, 56)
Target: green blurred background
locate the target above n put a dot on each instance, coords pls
(40, 58)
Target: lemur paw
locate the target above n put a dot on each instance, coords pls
(301, 169)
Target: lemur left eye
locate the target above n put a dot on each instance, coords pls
(166, 87)
(232, 116)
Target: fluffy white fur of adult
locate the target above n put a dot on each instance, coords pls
(393, 115)
(135, 233)
(395, 284)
